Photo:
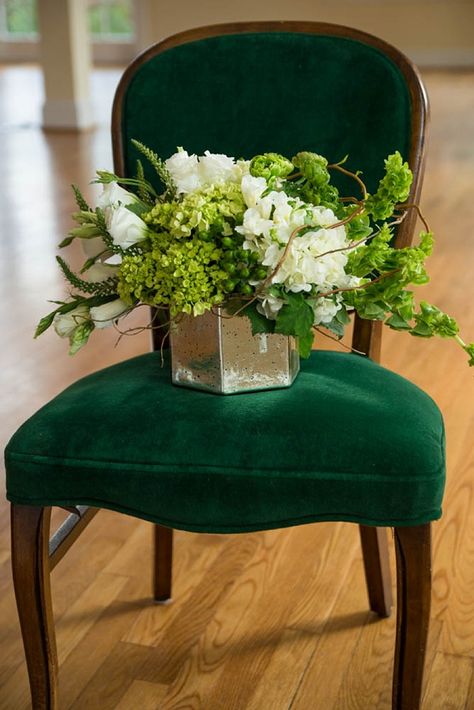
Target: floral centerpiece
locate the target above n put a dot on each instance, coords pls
(270, 237)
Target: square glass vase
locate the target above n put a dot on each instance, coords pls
(217, 352)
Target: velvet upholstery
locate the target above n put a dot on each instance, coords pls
(270, 91)
(349, 440)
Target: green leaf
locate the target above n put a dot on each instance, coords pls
(295, 317)
(396, 322)
(335, 327)
(66, 241)
(138, 208)
(305, 343)
(258, 322)
(80, 201)
(44, 323)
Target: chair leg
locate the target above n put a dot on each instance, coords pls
(31, 578)
(163, 562)
(413, 551)
(377, 569)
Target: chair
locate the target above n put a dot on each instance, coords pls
(242, 89)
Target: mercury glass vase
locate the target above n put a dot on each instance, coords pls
(217, 352)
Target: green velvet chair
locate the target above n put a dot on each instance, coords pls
(350, 441)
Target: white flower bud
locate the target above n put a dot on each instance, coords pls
(66, 323)
(100, 272)
(104, 316)
(113, 194)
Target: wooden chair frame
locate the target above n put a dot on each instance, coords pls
(34, 554)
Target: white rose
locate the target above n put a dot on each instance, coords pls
(66, 323)
(104, 316)
(125, 227)
(113, 194)
(100, 272)
(184, 170)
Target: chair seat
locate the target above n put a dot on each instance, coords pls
(349, 440)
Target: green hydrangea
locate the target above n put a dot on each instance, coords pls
(184, 275)
(210, 211)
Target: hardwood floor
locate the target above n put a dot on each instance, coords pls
(264, 621)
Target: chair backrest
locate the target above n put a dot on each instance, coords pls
(247, 88)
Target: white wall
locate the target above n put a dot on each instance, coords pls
(431, 32)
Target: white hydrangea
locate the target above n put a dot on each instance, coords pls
(325, 309)
(313, 260)
(192, 172)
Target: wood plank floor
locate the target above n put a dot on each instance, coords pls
(265, 621)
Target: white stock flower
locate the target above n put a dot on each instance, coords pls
(100, 272)
(104, 316)
(113, 194)
(125, 227)
(66, 323)
(252, 188)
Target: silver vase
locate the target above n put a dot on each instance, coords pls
(217, 352)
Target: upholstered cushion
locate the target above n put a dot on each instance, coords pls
(349, 440)
(247, 93)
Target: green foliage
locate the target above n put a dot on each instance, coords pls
(431, 321)
(101, 288)
(470, 351)
(339, 322)
(143, 186)
(159, 166)
(80, 201)
(258, 322)
(393, 188)
(296, 318)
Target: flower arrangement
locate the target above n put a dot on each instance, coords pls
(270, 237)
